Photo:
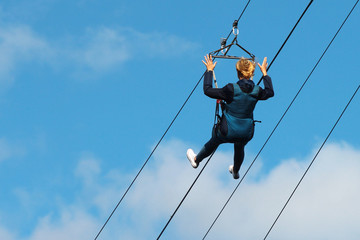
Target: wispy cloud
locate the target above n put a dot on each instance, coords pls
(6, 235)
(8, 150)
(96, 50)
(157, 44)
(5, 150)
(106, 48)
(101, 50)
(88, 169)
(18, 43)
(73, 223)
(327, 199)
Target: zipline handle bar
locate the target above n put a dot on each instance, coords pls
(215, 53)
(230, 57)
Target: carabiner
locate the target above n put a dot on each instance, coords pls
(223, 45)
(235, 29)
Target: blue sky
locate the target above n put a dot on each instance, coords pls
(88, 87)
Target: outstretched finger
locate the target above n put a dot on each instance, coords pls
(209, 58)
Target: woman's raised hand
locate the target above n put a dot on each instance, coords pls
(263, 67)
(210, 65)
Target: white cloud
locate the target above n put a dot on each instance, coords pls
(88, 169)
(102, 49)
(6, 235)
(324, 207)
(8, 150)
(97, 50)
(72, 224)
(5, 150)
(106, 48)
(158, 44)
(99, 189)
(18, 43)
(327, 199)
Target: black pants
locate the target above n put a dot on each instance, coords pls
(218, 139)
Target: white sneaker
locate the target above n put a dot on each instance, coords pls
(231, 170)
(191, 156)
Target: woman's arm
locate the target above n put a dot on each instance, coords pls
(226, 93)
(263, 67)
(268, 92)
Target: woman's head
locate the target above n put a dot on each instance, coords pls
(245, 68)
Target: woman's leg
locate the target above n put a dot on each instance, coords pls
(208, 149)
(239, 154)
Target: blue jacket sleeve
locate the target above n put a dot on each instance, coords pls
(226, 93)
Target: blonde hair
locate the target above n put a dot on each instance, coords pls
(245, 68)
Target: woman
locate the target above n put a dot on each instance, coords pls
(237, 123)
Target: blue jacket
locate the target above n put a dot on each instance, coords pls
(240, 98)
